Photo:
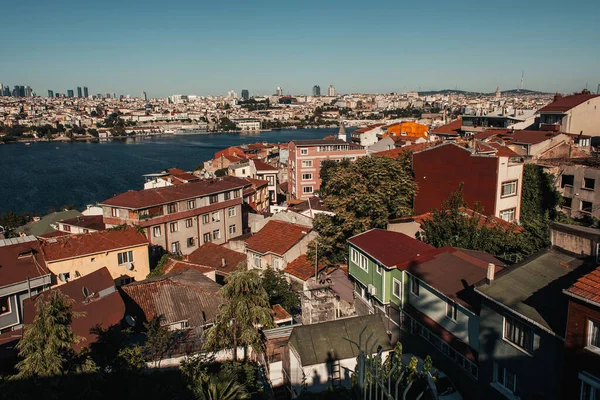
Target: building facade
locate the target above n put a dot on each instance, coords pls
(305, 158)
(180, 218)
(578, 113)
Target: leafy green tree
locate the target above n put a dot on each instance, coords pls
(46, 349)
(244, 311)
(217, 388)
(280, 291)
(539, 195)
(159, 340)
(10, 221)
(159, 269)
(363, 195)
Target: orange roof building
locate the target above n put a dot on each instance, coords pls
(410, 129)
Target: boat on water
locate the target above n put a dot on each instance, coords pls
(191, 132)
(169, 131)
(27, 143)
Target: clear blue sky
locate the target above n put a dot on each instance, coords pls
(210, 47)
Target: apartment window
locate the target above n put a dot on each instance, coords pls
(518, 333)
(191, 204)
(231, 229)
(156, 231)
(227, 195)
(378, 269)
(508, 215)
(175, 247)
(451, 310)
(67, 228)
(415, 286)
(114, 212)
(586, 206)
(363, 263)
(567, 202)
(590, 387)
(509, 189)
(172, 208)
(593, 339)
(173, 227)
(257, 260)
(190, 242)
(213, 199)
(304, 151)
(231, 211)
(4, 305)
(125, 257)
(216, 217)
(354, 256)
(567, 180)
(505, 378)
(307, 163)
(589, 183)
(205, 219)
(216, 234)
(275, 263)
(396, 288)
(306, 177)
(206, 237)
(236, 193)
(189, 223)
(307, 189)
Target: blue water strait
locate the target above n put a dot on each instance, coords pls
(44, 176)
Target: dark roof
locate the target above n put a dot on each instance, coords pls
(95, 222)
(44, 224)
(587, 287)
(181, 175)
(392, 249)
(522, 136)
(566, 103)
(185, 295)
(175, 265)
(263, 166)
(276, 237)
(319, 142)
(20, 258)
(534, 289)
(315, 204)
(91, 243)
(103, 306)
(136, 199)
(329, 341)
(452, 128)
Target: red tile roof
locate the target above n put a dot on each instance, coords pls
(566, 103)
(181, 215)
(92, 243)
(103, 306)
(300, 268)
(518, 136)
(257, 183)
(394, 153)
(136, 199)
(94, 222)
(587, 287)
(212, 255)
(21, 261)
(276, 237)
(453, 128)
(392, 249)
(280, 315)
(262, 166)
(175, 265)
(182, 175)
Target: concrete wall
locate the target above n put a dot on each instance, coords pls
(585, 117)
(294, 252)
(87, 264)
(579, 194)
(573, 243)
(409, 228)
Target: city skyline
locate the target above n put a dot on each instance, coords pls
(209, 49)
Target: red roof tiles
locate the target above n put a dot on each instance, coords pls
(262, 166)
(213, 255)
(453, 128)
(21, 261)
(276, 237)
(92, 243)
(300, 268)
(136, 199)
(94, 222)
(587, 287)
(566, 103)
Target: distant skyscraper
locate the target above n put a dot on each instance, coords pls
(50, 93)
(1, 89)
(316, 90)
(85, 92)
(498, 93)
(28, 91)
(22, 91)
(245, 94)
(331, 91)
(231, 94)
(79, 94)
(279, 91)
(144, 96)
(70, 93)
(6, 91)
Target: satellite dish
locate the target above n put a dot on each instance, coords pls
(62, 277)
(85, 291)
(129, 266)
(130, 320)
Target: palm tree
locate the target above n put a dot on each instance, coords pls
(241, 316)
(217, 388)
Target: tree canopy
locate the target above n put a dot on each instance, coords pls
(280, 291)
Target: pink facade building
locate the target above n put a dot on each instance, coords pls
(304, 165)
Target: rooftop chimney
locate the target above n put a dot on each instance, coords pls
(557, 96)
(223, 262)
(491, 270)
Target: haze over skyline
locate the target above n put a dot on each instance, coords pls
(209, 48)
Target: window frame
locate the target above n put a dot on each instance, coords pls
(125, 257)
(155, 229)
(212, 199)
(364, 263)
(514, 214)
(303, 152)
(399, 283)
(307, 191)
(173, 227)
(307, 163)
(354, 256)
(189, 223)
(526, 344)
(8, 306)
(413, 283)
(231, 232)
(114, 212)
(585, 187)
(190, 240)
(595, 347)
(171, 208)
(205, 236)
(191, 204)
(217, 218)
(453, 307)
(231, 212)
(503, 383)
(205, 219)
(585, 211)
(307, 176)
(218, 234)
(516, 188)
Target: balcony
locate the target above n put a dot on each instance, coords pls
(550, 127)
